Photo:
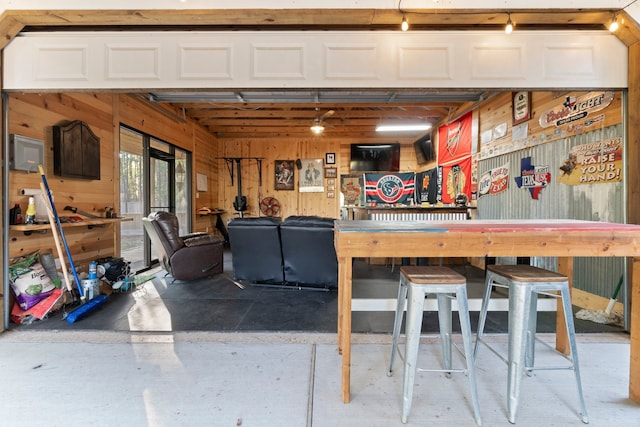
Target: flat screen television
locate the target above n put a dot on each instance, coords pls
(375, 157)
(424, 150)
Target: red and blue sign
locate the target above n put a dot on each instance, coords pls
(389, 188)
(534, 178)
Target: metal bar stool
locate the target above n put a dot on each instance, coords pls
(525, 283)
(415, 283)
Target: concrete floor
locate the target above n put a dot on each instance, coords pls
(207, 353)
(101, 378)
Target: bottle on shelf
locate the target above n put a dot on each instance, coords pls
(30, 215)
(15, 215)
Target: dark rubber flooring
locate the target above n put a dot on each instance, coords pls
(218, 304)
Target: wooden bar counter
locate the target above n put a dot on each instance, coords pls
(564, 239)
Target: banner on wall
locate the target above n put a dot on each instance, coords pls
(455, 140)
(533, 177)
(594, 163)
(494, 181)
(575, 108)
(455, 179)
(427, 186)
(389, 188)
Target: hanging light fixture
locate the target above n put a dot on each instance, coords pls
(405, 24)
(180, 173)
(613, 26)
(509, 27)
(317, 128)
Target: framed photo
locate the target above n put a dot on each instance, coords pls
(352, 188)
(331, 195)
(201, 182)
(284, 175)
(521, 106)
(311, 180)
(331, 182)
(331, 172)
(330, 159)
(331, 188)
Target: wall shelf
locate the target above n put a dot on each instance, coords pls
(27, 229)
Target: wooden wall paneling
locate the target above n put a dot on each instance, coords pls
(314, 203)
(272, 150)
(5, 286)
(165, 123)
(292, 202)
(498, 111)
(204, 162)
(158, 120)
(633, 126)
(33, 115)
(228, 188)
(495, 112)
(633, 200)
(115, 172)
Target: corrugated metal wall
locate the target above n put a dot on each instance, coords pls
(596, 202)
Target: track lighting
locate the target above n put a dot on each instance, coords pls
(403, 127)
(509, 27)
(405, 24)
(614, 23)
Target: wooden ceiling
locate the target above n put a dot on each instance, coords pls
(239, 114)
(291, 113)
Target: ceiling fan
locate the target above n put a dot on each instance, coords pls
(318, 123)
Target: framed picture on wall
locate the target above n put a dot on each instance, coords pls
(311, 180)
(331, 172)
(521, 105)
(330, 159)
(284, 175)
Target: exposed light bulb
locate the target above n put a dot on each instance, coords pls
(614, 24)
(509, 27)
(317, 128)
(405, 25)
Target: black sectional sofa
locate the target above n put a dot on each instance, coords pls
(298, 251)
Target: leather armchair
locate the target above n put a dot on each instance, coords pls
(308, 251)
(188, 257)
(256, 252)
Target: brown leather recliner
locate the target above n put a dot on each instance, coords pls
(184, 257)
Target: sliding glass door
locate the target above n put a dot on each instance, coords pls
(153, 177)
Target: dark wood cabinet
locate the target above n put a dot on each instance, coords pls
(76, 151)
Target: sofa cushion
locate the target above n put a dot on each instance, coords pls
(169, 225)
(206, 239)
(308, 221)
(309, 255)
(253, 222)
(256, 253)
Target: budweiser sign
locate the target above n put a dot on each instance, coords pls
(575, 108)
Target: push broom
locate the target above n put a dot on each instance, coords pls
(86, 307)
(607, 316)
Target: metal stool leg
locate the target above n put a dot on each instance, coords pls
(519, 306)
(465, 328)
(397, 324)
(444, 318)
(568, 318)
(531, 326)
(415, 307)
(483, 313)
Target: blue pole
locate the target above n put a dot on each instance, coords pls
(64, 239)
